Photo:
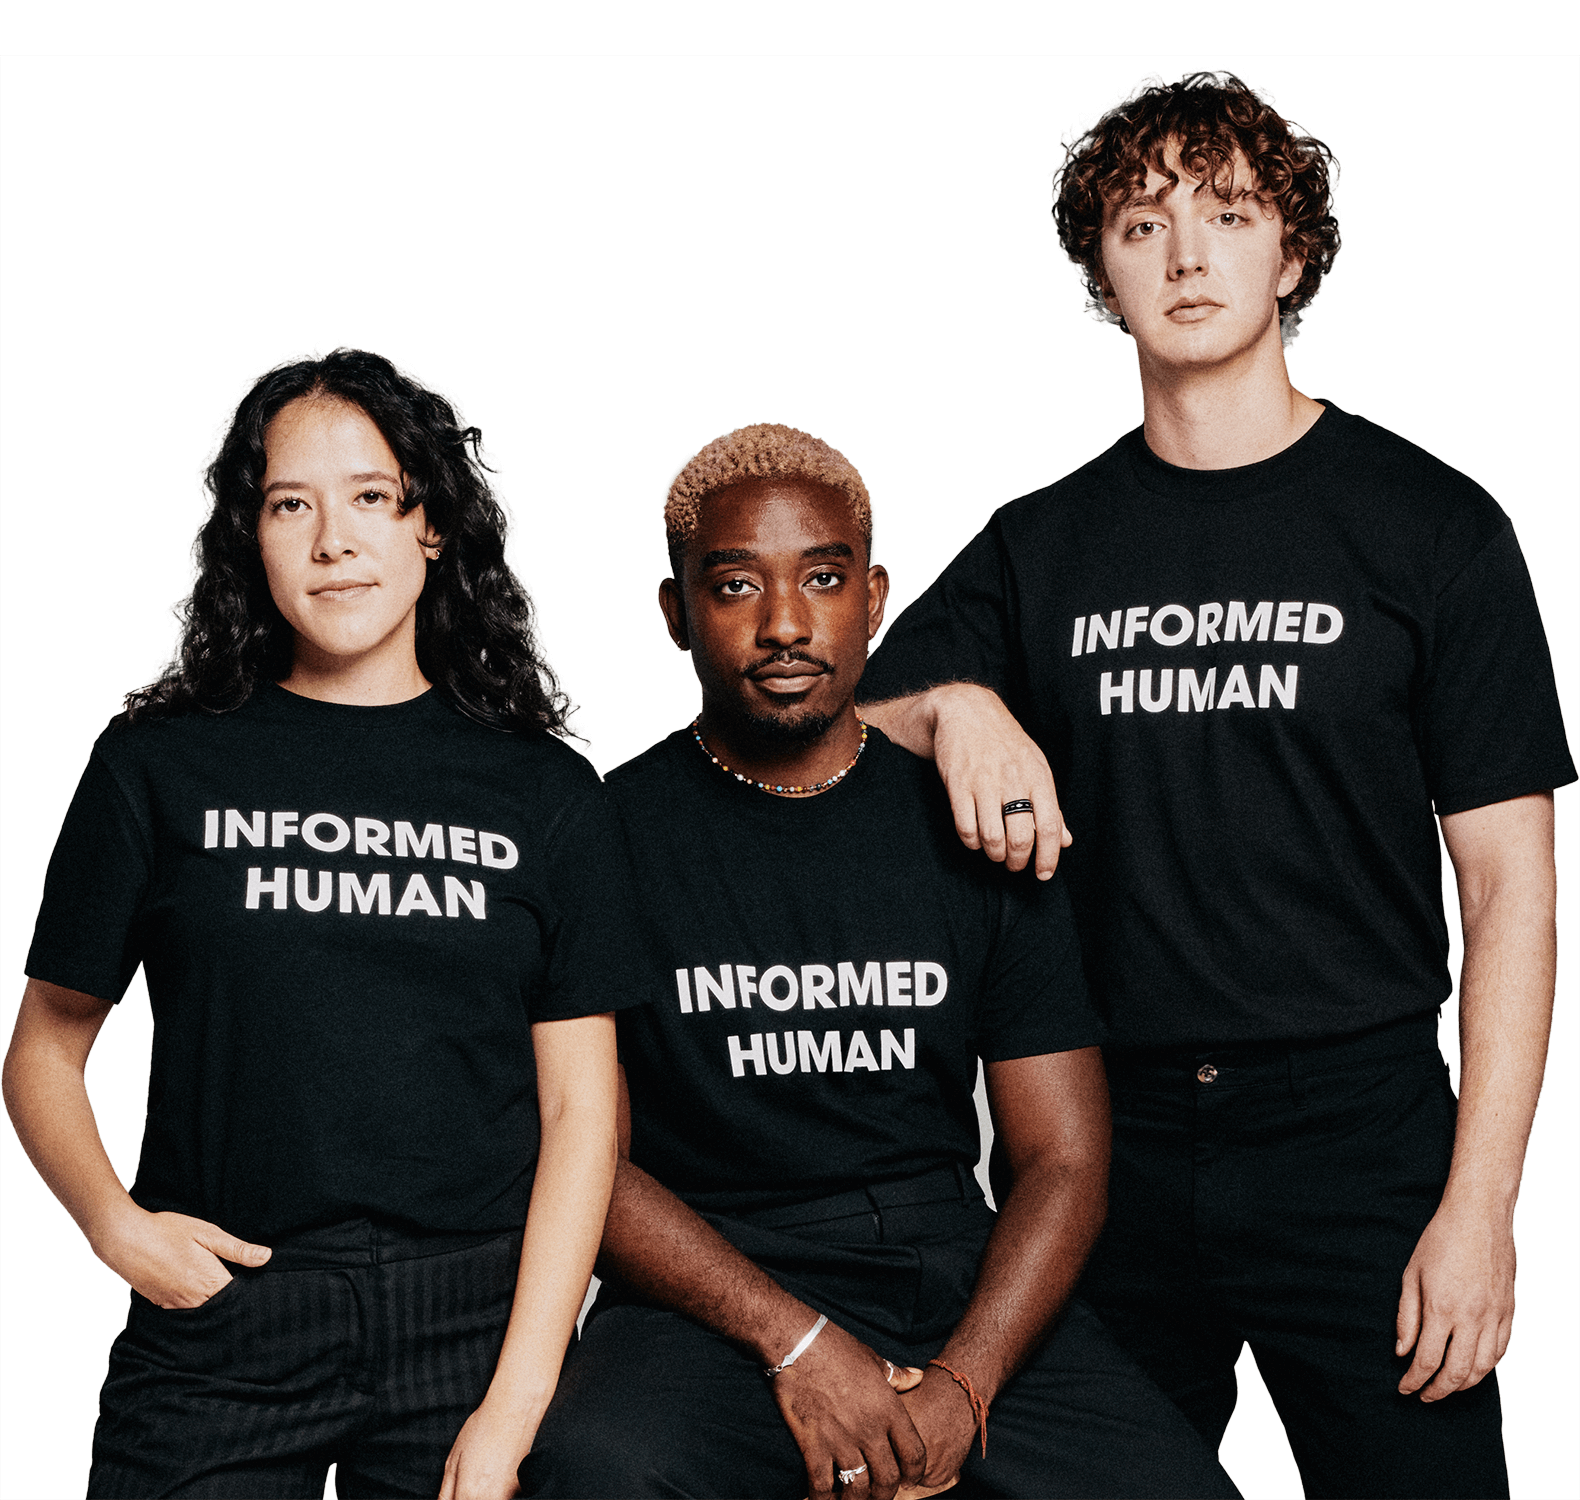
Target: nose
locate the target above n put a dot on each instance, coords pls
(1190, 250)
(785, 620)
(333, 539)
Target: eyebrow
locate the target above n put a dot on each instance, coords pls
(368, 478)
(725, 557)
(1148, 200)
(1155, 200)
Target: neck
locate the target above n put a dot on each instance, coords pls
(377, 678)
(747, 752)
(1226, 415)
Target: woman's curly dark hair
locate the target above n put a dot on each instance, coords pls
(1210, 118)
(475, 638)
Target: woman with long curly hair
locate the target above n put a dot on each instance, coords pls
(366, 883)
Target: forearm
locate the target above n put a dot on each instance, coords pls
(1045, 1231)
(669, 1253)
(1051, 1116)
(1456, 1299)
(570, 1189)
(1505, 1013)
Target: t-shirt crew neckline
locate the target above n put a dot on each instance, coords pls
(281, 703)
(755, 802)
(1218, 486)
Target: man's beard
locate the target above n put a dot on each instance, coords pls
(787, 731)
(790, 730)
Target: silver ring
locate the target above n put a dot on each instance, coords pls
(1020, 804)
(846, 1475)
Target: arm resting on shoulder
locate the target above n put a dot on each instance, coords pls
(835, 1399)
(570, 1192)
(985, 759)
(172, 1259)
(1456, 1306)
(1050, 1113)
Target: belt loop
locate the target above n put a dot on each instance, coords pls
(877, 1216)
(964, 1177)
(1296, 1082)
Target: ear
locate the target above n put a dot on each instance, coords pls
(673, 604)
(428, 539)
(877, 597)
(1289, 277)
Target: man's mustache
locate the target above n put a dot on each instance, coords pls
(784, 659)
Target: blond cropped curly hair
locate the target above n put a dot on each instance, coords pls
(765, 450)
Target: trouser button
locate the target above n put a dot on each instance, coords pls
(1206, 1073)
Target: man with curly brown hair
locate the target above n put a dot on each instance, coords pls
(1261, 641)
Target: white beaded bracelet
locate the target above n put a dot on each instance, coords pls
(798, 1351)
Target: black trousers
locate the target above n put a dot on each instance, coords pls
(358, 1346)
(1273, 1196)
(651, 1403)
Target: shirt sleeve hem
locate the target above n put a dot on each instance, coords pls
(48, 970)
(1493, 792)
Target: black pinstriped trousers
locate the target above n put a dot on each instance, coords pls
(358, 1346)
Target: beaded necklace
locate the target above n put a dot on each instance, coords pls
(772, 788)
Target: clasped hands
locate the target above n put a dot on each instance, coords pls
(912, 1429)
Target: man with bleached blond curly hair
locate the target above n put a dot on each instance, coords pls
(804, 1288)
(1269, 650)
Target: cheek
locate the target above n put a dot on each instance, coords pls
(280, 566)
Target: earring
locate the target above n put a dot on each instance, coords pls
(1124, 327)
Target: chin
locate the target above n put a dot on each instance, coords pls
(795, 726)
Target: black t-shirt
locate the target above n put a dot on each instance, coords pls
(349, 918)
(1253, 686)
(825, 973)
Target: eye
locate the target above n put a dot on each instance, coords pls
(1145, 230)
(1231, 217)
(827, 580)
(373, 497)
(736, 588)
(289, 504)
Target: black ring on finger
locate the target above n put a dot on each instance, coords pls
(1020, 804)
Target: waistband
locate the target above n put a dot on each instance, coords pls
(1267, 1062)
(364, 1242)
(952, 1184)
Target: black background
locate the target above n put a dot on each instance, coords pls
(612, 263)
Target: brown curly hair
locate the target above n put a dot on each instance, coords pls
(1211, 118)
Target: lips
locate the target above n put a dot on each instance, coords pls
(781, 678)
(345, 588)
(1190, 304)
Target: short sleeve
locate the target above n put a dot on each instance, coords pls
(85, 937)
(592, 948)
(1490, 724)
(1034, 996)
(958, 631)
